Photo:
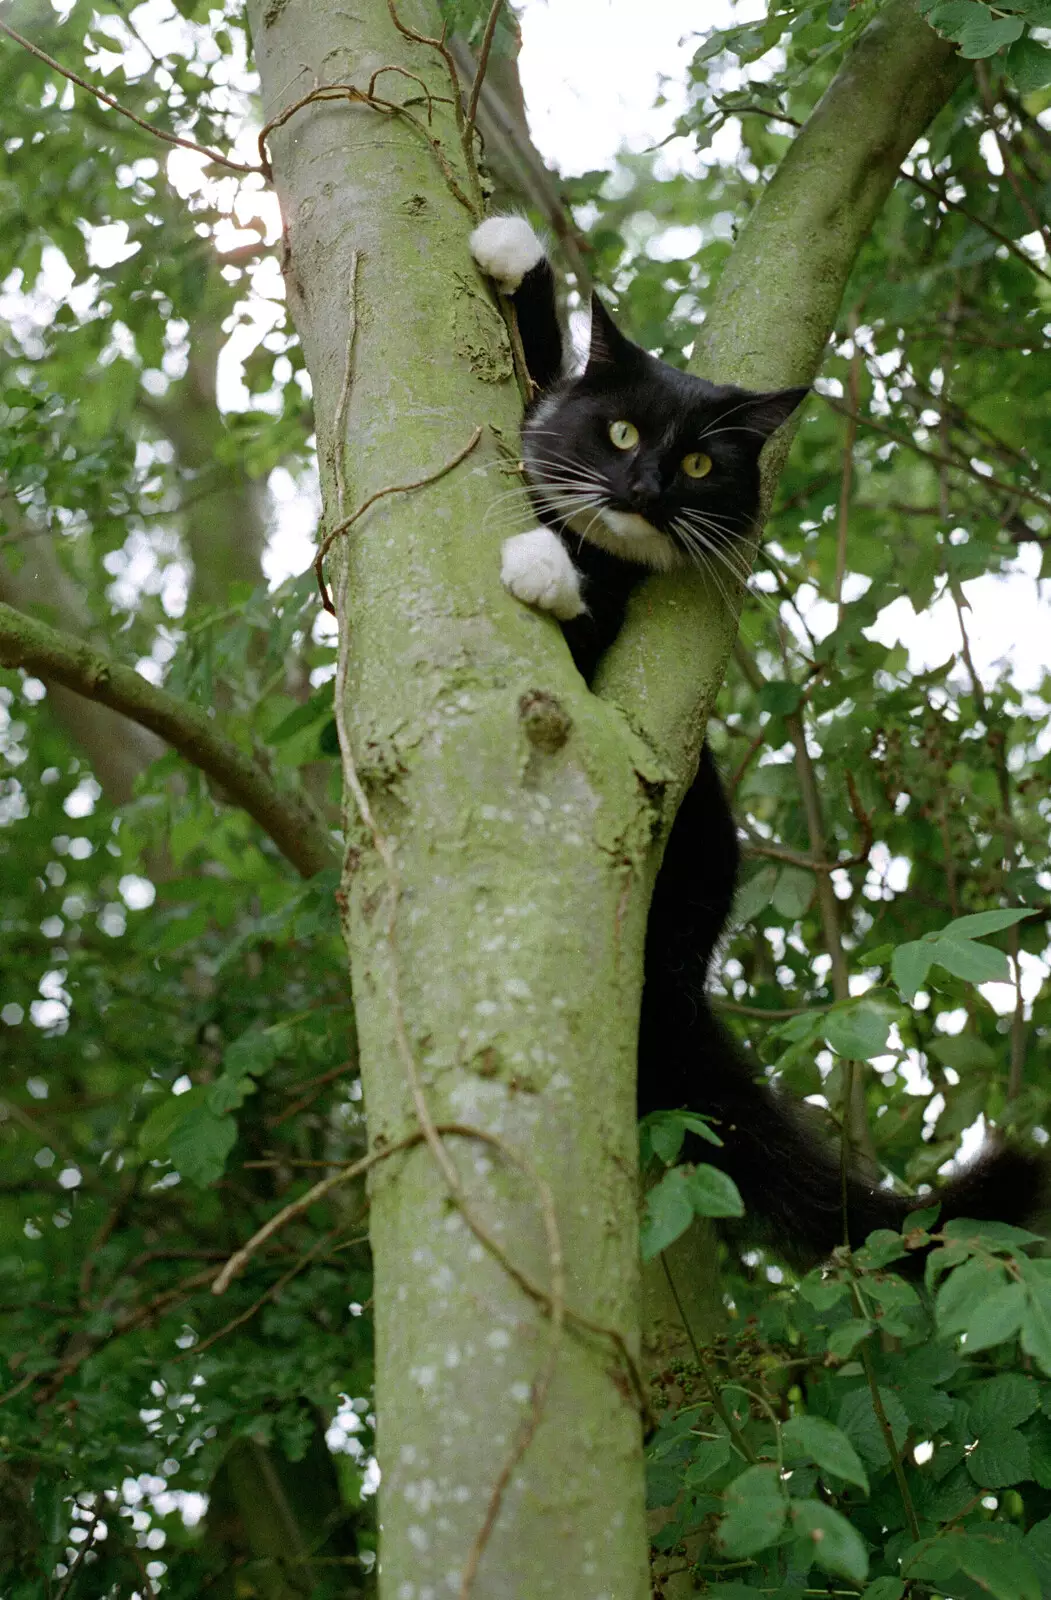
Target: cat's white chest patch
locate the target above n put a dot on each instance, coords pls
(537, 570)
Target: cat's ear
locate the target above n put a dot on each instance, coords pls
(766, 412)
(608, 347)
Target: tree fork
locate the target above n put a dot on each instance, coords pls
(509, 967)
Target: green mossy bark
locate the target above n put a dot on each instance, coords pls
(524, 857)
(525, 864)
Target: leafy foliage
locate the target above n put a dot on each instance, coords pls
(169, 1064)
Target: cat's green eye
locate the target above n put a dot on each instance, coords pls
(624, 435)
(697, 465)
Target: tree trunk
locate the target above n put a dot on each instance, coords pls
(504, 825)
(514, 807)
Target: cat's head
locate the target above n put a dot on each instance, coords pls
(654, 465)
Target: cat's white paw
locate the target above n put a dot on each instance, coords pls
(506, 248)
(536, 568)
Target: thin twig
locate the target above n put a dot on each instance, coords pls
(108, 100)
(575, 1319)
(483, 61)
(268, 1294)
(393, 488)
(339, 421)
(719, 1405)
(67, 1581)
(765, 1013)
(888, 1436)
(1020, 491)
(315, 1085)
(979, 222)
(350, 91)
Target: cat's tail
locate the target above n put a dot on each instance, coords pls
(790, 1178)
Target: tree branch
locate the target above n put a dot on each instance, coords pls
(769, 324)
(287, 817)
(108, 100)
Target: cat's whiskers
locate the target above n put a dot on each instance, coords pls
(704, 549)
(731, 411)
(715, 535)
(701, 558)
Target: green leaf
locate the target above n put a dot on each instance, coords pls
(698, 1125)
(884, 1589)
(666, 1134)
(793, 892)
(953, 947)
(1036, 1325)
(844, 1339)
(714, 1194)
(669, 1212)
(665, 1131)
(780, 698)
(756, 1505)
(254, 1052)
(319, 705)
(755, 895)
(157, 1128)
(228, 1093)
(824, 1444)
(979, 923)
(997, 1318)
(984, 37)
(990, 1235)
(201, 1143)
(977, 963)
(836, 1546)
(709, 1457)
(973, 26)
(859, 1031)
(910, 965)
(822, 1292)
(1000, 1458)
(1004, 1570)
(1005, 1400)
(1029, 65)
(859, 1422)
(964, 1052)
(964, 1291)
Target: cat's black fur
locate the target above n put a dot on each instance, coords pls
(786, 1174)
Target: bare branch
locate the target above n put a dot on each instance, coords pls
(288, 817)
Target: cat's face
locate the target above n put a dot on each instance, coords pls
(652, 464)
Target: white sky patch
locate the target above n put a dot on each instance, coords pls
(590, 74)
(1008, 624)
(1002, 996)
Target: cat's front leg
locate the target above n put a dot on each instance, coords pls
(537, 569)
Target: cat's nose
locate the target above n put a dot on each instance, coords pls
(646, 490)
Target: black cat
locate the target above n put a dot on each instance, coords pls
(634, 465)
